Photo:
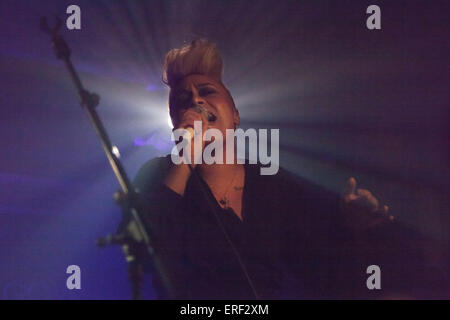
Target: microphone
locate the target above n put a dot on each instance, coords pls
(189, 134)
(208, 115)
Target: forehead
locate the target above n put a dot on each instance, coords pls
(199, 80)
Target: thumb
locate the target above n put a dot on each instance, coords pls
(350, 187)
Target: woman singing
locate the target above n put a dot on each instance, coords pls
(224, 231)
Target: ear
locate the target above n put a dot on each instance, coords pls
(236, 118)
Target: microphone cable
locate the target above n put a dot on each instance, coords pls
(213, 208)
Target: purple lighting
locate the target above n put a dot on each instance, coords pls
(152, 87)
(155, 141)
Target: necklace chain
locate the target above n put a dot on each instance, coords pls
(224, 200)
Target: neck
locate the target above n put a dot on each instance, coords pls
(218, 172)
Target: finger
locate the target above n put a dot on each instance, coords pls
(363, 193)
(384, 211)
(372, 200)
(365, 203)
(372, 203)
(366, 194)
(350, 186)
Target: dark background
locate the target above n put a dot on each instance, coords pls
(348, 101)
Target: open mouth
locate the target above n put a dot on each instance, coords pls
(211, 117)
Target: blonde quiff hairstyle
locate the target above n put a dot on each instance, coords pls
(199, 57)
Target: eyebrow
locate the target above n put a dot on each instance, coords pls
(199, 85)
(204, 84)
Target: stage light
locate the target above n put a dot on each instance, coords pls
(169, 122)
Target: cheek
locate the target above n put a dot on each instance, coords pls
(227, 120)
(225, 109)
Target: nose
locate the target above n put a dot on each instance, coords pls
(196, 98)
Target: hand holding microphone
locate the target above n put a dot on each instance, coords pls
(196, 113)
(208, 115)
(177, 177)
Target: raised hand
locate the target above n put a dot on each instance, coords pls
(361, 209)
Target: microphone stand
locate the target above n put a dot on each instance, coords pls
(135, 237)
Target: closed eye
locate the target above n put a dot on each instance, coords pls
(206, 91)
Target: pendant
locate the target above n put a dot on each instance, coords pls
(224, 202)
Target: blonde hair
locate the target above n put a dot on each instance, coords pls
(199, 57)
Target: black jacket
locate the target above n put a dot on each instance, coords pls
(291, 241)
